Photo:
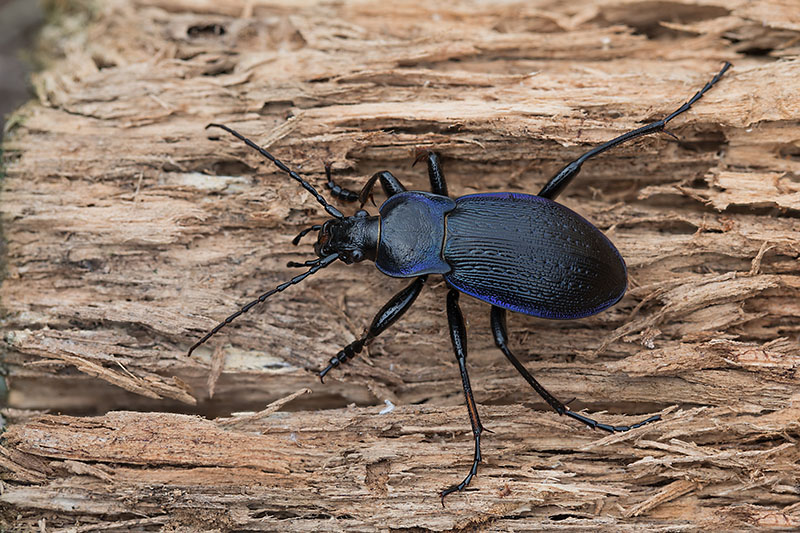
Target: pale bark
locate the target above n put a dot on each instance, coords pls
(131, 231)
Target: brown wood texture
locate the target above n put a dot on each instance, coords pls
(130, 231)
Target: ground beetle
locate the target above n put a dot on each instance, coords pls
(515, 251)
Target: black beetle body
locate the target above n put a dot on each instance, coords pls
(517, 252)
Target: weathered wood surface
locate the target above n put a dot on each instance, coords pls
(130, 231)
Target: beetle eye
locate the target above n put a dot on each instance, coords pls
(356, 256)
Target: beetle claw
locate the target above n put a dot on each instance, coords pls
(671, 135)
(422, 153)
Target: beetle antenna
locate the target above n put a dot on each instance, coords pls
(332, 211)
(322, 263)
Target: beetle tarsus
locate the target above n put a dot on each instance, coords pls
(472, 472)
(388, 315)
(338, 191)
(557, 183)
(498, 324)
(606, 427)
(458, 337)
(331, 364)
(344, 355)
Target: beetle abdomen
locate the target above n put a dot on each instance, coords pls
(531, 255)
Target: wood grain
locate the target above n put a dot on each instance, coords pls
(130, 231)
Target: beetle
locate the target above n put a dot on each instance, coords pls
(518, 252)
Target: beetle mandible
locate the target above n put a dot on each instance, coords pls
(515, 251)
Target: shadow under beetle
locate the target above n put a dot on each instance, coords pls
(515, 251)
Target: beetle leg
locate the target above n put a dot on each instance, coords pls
(458, 335)
(498, 320)
(388, 315)
(337, 190)
(389, 183)
(557, 184)
(438, 183)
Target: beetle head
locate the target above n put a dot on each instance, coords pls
(353, 238)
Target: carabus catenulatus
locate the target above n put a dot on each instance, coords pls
(515, 251)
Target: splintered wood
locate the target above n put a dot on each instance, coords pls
(130, 231)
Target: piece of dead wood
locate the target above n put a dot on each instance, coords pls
(131, 230)
(360, 469)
